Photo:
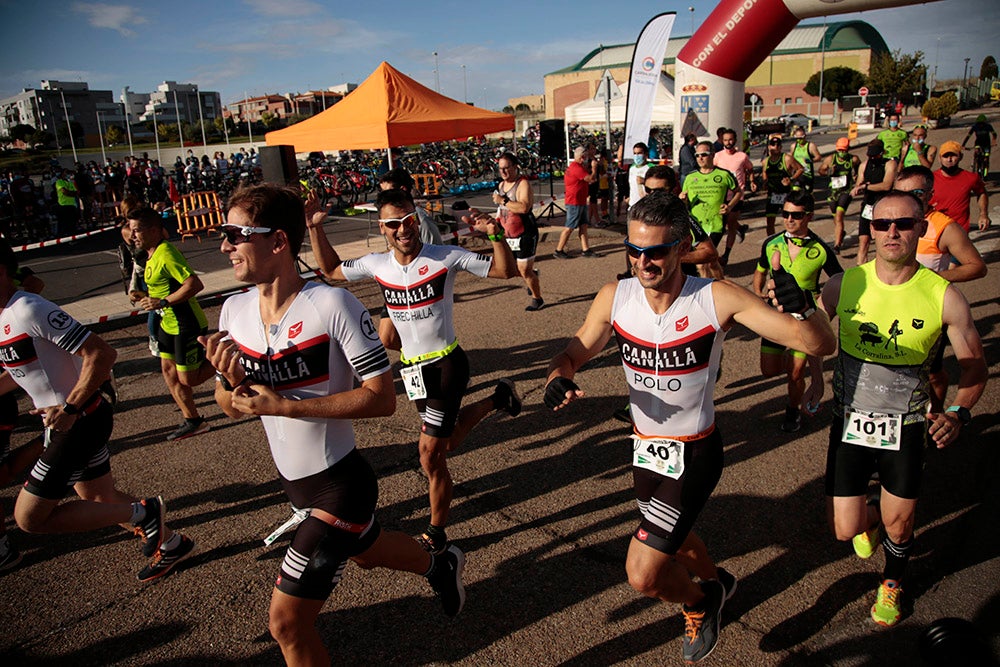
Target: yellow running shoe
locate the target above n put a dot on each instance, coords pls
(866, 543)
(888, 607)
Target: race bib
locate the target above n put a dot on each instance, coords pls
(838, 182)
(872, 429)
(778, 198)
(413, 380)
(514, 243)
(867, 211)
(660, 455)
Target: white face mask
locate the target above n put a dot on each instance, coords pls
(639, 159)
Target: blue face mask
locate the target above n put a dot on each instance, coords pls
(639, 159)
(893, 123)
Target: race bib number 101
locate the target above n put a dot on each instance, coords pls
(872, 429)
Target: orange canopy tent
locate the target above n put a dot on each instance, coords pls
(389, 109)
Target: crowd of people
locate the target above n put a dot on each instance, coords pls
(308, 359)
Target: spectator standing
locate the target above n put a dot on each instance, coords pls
(637, 174)
(577, 182)
(685, 156)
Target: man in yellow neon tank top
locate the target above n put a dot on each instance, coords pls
(891, 315)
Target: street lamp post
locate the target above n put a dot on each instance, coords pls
(465, 86)
(100, 132)
(69, 127)
(437, 75)
(691, 9)
(177, 111)
(201, 119)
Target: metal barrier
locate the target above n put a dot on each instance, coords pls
(197, 213)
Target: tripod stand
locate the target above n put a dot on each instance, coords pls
(550, 208)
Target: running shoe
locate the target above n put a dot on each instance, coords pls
(889, 604)
(588, 253)
(10, 558)
(792, 421)
(446, 580)
(189, 427)
(701, 624)
(624, 414)
(728, 582)
(560, 254)
(165, 561)
(150, 528)
(430, 545)
(536, 304)
(866, 543)
(741, 231)
(506, 398)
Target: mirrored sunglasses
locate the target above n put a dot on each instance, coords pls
(237, 234)
(395, 223)
(652, 252)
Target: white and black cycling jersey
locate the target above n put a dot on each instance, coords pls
(420, 295)
(670, 360)
(325, 342)
(38, 342)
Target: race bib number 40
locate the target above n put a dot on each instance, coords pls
(660, 455)
(872, 429)
(413, 380)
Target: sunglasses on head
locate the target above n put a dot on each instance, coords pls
(395, 223)
(902, 224)
(237, 234)
(794, 215)
(652, 252)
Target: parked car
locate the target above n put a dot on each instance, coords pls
(797, 119)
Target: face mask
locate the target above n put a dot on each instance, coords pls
(951, 171)
(918, 140)
(639, 159)
(801, 140)
(893, 123)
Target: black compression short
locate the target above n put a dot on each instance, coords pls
(849, 467)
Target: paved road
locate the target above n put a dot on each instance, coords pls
(543, 507)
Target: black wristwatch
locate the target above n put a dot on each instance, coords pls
(70, 409)
(164, 304)
(963, 413)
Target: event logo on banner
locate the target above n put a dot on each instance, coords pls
(647, 61)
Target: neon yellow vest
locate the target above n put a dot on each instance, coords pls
(888, 337)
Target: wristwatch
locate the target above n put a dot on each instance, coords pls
(804, 315)
(164, 303)
(963, 413)
(71, 409)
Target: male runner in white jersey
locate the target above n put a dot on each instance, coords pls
(307, 359)
(670, 329)
(61, 366)
(418, 283)
(892, 313)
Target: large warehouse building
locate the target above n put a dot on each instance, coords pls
(779, 80)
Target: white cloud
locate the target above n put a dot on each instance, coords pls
(113, 17)
(284, 8)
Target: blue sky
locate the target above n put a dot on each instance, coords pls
(274, 46)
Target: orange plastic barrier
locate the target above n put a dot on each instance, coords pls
(197, 213)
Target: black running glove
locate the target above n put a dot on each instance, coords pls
(555, 391)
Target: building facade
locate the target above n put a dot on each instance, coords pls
(778, 81)
(56, 106)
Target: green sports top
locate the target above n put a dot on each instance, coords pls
(801, 153)
(814, 256)
(889, 335)
(893, 141)
(706, 193)
(166, 270)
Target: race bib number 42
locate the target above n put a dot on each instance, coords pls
(660, 455)
(413, 380)
(872, 429)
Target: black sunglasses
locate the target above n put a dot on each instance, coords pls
(652, 252)
(794, 215)
(237, 234)
(774, 142)
(902, 224)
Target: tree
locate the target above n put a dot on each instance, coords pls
(837, 82)
(21, 132)
(897, 74)
(989, 68)
(269, 119)
(508, 110)
(114, 135)
(42, 138)
(223, 125)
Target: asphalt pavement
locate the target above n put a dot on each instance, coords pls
(543, 506)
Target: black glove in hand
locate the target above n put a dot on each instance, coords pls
(555, 391)
(788, 294)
